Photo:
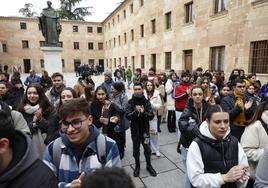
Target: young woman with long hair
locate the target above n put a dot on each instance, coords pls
(39, 114)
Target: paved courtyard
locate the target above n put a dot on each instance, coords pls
(169, 167)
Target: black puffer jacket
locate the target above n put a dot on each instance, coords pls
(188, 131)
(139, 122)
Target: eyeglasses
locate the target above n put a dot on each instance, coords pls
(241, 87)
(76, 124)
(195, 94)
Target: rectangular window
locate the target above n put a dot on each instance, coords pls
(188, 54)
(141, 3)
(114, 62)
(77, 62)
(75, 28)
(42, 64)
(76, 45)
(114, 41)
(25, 44)
(100, 46)
(113, 22)
(217, 58)
(142, 62)
(132, 34)
(168, 60)
(189, 12)
(119, 41)
(168, 20)
(153, 26)
(118, 18)
(23, 25)
(125, 37)
(99, 29)
(119, 61)
(91, 46)
(63, 63)
(258, 57)
(142, 31)
(125, 13)
(125, 61)
(4, 47)
(91, 61)
(42, 43)
(133, 62)
(131, 8)
(220, 6)
(109, 25)
(153, 61)
(90, 29)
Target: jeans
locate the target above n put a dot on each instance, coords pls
(184, 152)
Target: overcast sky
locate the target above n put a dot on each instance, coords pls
(101, 8)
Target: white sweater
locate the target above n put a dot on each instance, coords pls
(195, 165)
(253, 141)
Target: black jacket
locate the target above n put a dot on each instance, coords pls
(96, 112)
(25, 169)
(188, 131)
(228, 104)
(219, 156)
(139, 122)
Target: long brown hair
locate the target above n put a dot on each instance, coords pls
(258, 113)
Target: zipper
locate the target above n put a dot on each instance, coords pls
(223, 156)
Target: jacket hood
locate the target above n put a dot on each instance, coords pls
(204, 130)
(24, 155)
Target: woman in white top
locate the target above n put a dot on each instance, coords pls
(154, 97)
(255, 138)
(215, 158)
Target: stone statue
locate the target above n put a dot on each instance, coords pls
(50, 26)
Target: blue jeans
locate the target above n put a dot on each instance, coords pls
(184, 152)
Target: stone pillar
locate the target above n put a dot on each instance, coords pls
(52, 59)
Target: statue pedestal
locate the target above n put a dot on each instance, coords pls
(52, 59)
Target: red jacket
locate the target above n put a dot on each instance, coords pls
(181, 97)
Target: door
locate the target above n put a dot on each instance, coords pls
(188, 54)
(27, 65)
(153, 61)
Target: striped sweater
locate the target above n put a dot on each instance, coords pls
(69, 170)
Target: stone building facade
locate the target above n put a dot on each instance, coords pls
(185, 34)
(21, 40)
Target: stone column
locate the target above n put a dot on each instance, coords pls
(52, 59)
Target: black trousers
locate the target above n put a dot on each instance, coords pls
(137, 141)
(171, 121)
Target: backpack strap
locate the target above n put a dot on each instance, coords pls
(56, 152)
(264, 126)
(101, 149)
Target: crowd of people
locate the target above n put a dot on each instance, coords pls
(53, 135)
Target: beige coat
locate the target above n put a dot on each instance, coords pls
(253, 141)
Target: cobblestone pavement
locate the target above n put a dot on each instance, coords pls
(169, 167)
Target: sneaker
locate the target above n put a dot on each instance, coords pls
(158, 154)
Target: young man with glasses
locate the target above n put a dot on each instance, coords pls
(239, 106)
(140, 112)
(78, 146)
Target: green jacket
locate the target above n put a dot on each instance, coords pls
(128, 73)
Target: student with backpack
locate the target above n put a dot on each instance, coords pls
(81, 148)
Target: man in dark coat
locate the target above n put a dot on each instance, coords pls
(139, 112)
(19, 163)
(239, 106)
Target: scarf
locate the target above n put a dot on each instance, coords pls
(241, 118)
(31, 109)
